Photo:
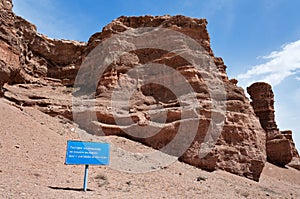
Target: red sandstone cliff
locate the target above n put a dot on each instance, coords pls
(35, 71)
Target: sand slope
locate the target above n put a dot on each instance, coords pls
(32, 149)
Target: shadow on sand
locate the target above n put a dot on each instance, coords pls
(68, 188)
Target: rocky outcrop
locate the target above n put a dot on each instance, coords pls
(240, 148)
(52, 99)
(6, 5)
(9, 47)
(295, 162)
(263, 103)
(41, 72)
(280, 146)
(192, 27)
(38, 69)
(28, 57)
(288, 135)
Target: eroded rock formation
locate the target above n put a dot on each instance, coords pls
(28, 57)
(39, 71)
(6, 4)
(240, 147)
(280, 146)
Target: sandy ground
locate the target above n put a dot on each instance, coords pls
(32, 154)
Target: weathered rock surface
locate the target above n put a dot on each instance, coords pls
(51, 99)
(38, 68)
(295, 163)
(6, 4)
(9, 48)
(27, 56)
(240, 148)
(280, 146)
(288, 135)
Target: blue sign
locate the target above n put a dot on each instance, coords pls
(88, 153)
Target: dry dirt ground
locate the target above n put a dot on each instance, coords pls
(32, 153)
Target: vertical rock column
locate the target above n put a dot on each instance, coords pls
(263, 104)
(280, 146)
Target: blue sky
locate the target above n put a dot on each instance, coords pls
(258, 39)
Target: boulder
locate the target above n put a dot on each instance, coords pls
(279, 151)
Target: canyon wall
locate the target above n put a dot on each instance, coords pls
(48, 74)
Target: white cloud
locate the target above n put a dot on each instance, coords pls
(278, 66)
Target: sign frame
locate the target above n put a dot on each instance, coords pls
(87, 153)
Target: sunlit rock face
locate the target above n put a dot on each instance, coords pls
(280, 145)
(182, 98)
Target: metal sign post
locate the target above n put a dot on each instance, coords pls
(87, 153)
(86, 177)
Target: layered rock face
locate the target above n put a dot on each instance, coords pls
(263, 103)
(280, 146)
(240, 148)
(6, 4)
(37, 69)
(27, 56)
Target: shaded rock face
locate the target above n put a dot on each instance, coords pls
(37, 70)
(288, 135)
(280, 146)
(9, 48)
(27, 56)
